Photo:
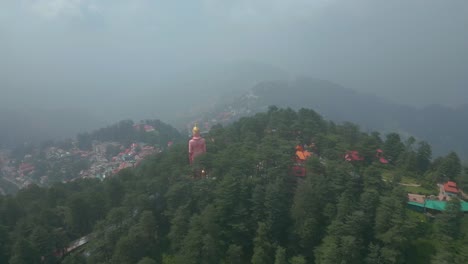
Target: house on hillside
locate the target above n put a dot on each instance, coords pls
(353, 155)
(302, 155)
(380, 156)
(451, 189)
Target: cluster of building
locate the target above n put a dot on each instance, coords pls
(15, 172)
(144, 127)
(433, 204)
(24, 172)
(128, 158)
(354, 155)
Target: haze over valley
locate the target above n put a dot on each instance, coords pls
(247, 131)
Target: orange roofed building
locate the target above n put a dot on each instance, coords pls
(302, 155)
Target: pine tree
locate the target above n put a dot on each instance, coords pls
(449, 221)
(234, 255)
(393, 146)
(424, 156)
(374, 255)
(263, 248)
(280, 256)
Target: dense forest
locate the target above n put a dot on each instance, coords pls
(249, 208)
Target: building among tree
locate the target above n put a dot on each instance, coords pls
(353, 155)
(302, 155)
(451, 189)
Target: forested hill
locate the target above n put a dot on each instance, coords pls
(127, 132)
(445, 128)
(249, 208)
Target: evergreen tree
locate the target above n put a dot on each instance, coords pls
(250, 209)
(298, 260)
(374, 255)
(24, 253)
(449, 221)
(147, 260)
(280, 256)
(263, 248)
(234, 255)
(4, 244)
(424, 156)
(393, 146)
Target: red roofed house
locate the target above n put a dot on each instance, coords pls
(353, 155)
(451, 188)
(380, 156)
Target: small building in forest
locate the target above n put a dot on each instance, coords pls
(380, 156)
(434, 206)
(451, 189)
(299, 168)
(421, 203)
(353, 155)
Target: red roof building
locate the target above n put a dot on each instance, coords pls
(450, 187)
(379, 155)
(353, 155)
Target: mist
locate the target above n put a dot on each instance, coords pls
(137, 59)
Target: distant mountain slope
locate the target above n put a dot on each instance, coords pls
(33, 126)
(445, 128)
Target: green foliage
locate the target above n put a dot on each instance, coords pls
(234, 255)
(147, 260)
(280, 256)
(125, 133)
(393, 146)
(249, 209)
(298, 260)
(263, 248)
(448, 222)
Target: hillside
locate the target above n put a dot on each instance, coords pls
(97, 154)
(445, 128)
(250, 208)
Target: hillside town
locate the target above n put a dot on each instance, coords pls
(47, 165)
(98, 163)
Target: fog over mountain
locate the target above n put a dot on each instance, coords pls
(144, 59)
(444, 127)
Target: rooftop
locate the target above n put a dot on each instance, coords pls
(450, 187)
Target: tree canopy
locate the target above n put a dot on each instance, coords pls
(249, 208)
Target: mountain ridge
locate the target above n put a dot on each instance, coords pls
(442, 126)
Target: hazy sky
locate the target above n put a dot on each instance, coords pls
(86, 53)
